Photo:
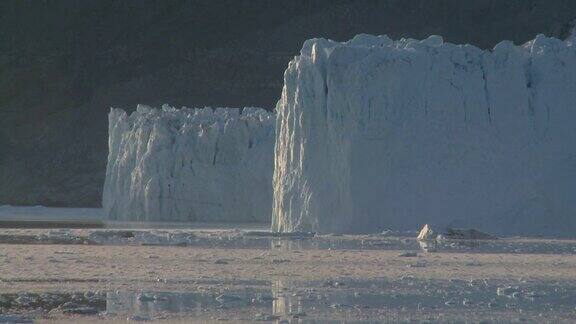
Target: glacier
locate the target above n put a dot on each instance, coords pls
(204, 165)
(377, 134)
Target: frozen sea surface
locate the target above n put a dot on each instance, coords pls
(207, 274)
(356, 301)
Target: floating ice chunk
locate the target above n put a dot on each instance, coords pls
(507, 291)
(426, 234)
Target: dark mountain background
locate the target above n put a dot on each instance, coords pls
(63, 63)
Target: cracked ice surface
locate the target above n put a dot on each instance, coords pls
(375, 133)
(190, 165)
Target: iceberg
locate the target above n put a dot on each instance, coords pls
(377, 134)
(207, 165)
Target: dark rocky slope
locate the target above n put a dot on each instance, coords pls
(63, 63)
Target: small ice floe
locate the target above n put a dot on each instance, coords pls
(451, 302)
(332, 284)
(60, 236)
(467, 302)
(427, 234)
(338, 306)
(25, 300)
(478, 283)
(386, 233)
(161, 280)
(507, 291)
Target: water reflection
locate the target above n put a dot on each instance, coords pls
(474, 300)
(284, 299)
(286, 303)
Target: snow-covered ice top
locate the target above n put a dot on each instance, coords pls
(375, 134)
(190, 164)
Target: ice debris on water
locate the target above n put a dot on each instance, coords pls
(332, 284)
(467, 302)
(507, 291)
(150, 237)
(451, 302)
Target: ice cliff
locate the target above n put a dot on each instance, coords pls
(190, 165)
(374, 134)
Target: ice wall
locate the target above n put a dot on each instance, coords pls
(190, 165)
(375, 133)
